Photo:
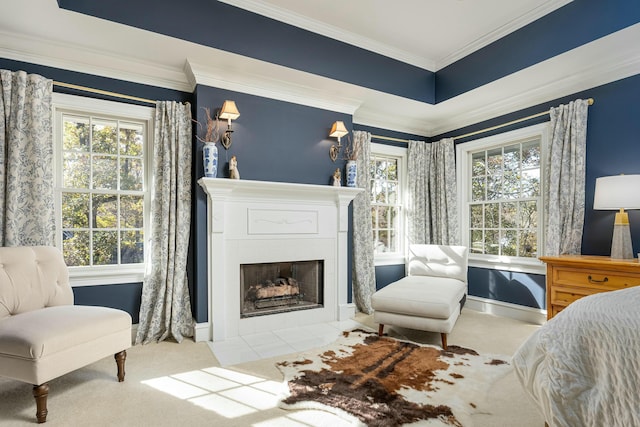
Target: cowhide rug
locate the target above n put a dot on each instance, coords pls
(382, 381)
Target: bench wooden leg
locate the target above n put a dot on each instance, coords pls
(40, 392)
(380, 329)
(120, 358)
(444, 340)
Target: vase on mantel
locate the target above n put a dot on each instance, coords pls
(210, 154)
(352, 173)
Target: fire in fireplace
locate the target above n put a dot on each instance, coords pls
(277, 287)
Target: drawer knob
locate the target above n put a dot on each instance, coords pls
(592, 280)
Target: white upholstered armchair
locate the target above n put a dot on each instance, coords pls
(431, 297)
(42, 334)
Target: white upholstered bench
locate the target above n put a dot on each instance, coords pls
(42, 334)
(430, 298)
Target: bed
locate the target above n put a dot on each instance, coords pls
(582, 368)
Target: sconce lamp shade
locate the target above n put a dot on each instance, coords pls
(229, 111)
(338, 130)
(619, 192)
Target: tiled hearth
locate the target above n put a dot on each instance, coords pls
(279, 342)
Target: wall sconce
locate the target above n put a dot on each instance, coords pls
(337, 131)
(613, 193)
(230, 112)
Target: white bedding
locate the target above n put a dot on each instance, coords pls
(582, 368)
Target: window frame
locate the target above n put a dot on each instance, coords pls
(400, 153)
(463, 171)
(72, 104)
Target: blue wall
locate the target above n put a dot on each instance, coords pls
(273, 141)
(507, 286)
(125, 297)
(386, 274)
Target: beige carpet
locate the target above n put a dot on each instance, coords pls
(170, 384)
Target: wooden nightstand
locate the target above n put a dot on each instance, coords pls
(571, 277)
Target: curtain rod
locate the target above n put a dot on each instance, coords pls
(388, 138)
(513, 122)
(103, 92)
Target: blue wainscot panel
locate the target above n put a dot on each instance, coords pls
(124, 297)
(386, 274)
(508, 286)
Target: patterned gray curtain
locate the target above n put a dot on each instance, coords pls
(443, 193)
(433, 209)
(564, 183)
(363, 271)
(165, 309)
(27, 215)
(419, 164)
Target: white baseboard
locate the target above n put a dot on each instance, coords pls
(346, 311)
(505, 309)
(202, 332)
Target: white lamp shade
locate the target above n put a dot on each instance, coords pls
(617, 192)
(338, 129)
(229, 110)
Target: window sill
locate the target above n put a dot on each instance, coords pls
(96, 276)
(533, 266)
(389, 260)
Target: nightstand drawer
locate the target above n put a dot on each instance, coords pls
(561, 295)
(595, 279)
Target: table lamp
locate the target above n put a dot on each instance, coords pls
(619, 192)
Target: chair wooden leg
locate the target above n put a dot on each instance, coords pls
(380, 329)
(40, 392)
(444, 340)
(120, 358)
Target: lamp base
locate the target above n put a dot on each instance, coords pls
(621, 247)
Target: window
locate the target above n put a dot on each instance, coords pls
(501, 191)
(102, 179)
(387, 169)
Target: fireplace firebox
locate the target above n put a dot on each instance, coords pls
(277, 287)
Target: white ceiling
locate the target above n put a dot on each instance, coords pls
(427, 33)
(37, 31)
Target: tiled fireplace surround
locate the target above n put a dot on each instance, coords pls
(262, 222)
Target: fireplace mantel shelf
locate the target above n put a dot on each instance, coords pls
(219, 187)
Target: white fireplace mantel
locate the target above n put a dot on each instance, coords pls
(260, 221)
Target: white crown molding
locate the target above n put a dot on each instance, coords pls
(381, 118)
(256, 78)
(525, 19)
(90, 61)
(306, 23)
